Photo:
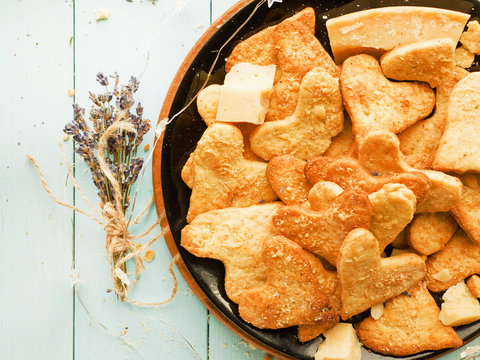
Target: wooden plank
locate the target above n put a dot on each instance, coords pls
(220, 6)
(120, 44)
(36, 67)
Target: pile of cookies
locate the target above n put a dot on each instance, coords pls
(357, 192)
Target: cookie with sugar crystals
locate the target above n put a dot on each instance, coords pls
(431, 61)
(291, 294)
(420, 141)
(220, 175)
(459, 259)
(366, 279)
(234, 236)
(286, 176)
(380, 152)
(430, 232)
(318, 117)
(409, 325)
(349, 174)
(322, 232)
(376, 103)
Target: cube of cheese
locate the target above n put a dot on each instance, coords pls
(245, 95)
(376, 31)
(341, 343)
(460, 307)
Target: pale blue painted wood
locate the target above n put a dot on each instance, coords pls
(36, 67)
(36, 302)
(120, 44)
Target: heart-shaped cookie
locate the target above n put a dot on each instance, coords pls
(420, 141)
(291, 295)
(366, 279)
(308, 132)
(218, 164)
(349, 174)
(234, 236)
(459, 146)
(323, 232)
(374, 102)
(459, 259)
(286, 176)
(329, 285)
(409, 324)
(380, 152)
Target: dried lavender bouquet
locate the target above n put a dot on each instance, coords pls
(109, 147)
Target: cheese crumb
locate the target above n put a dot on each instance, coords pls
(443, 275)
(66, 137)
(149, 255)
(376, 311)
(460, 307)
(341, 343)
(245, 95)
(71, 92)
(102, 14)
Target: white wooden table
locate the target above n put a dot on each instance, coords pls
(47, 47)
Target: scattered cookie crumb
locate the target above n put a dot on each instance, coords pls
(66, 137)
(71, 92)
(102, 14)
(124, 331)
(70, 41)
(146, 147)
(149, 255)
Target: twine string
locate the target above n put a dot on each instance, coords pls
(119, 244)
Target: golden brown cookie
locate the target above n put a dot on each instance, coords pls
(259, 48)
(401, 241)
(234, 236)
(464, 57)
(291, 295)
(322, 194)
(366, 279)
(459, 259)
(380, 152)
(393, 209)
(308, 132)
(222, 177)
(323, 232)
(343, 143)
(349, 174)
(471, 38)
(375, 103)
(409, 325)
(286, 176)
(298, 51)
(473, 284)
(207, 103)
(329, 285)
(430, 232)
(431, 61)
(459, 147)
(467, 210)
(420, 141)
